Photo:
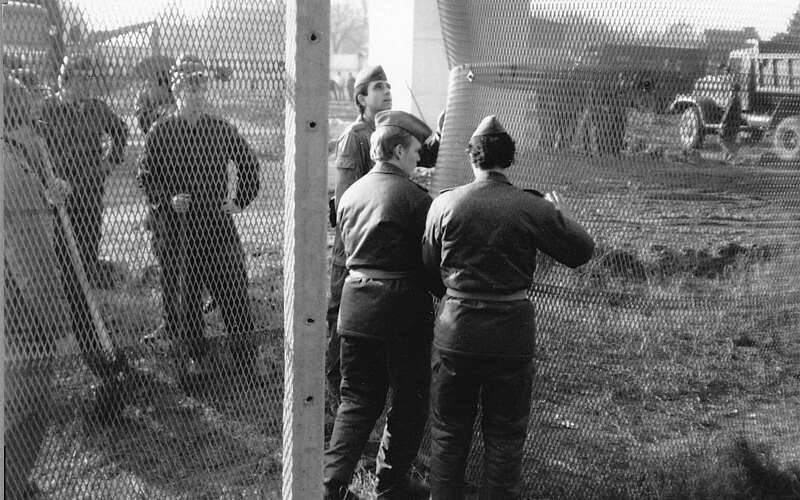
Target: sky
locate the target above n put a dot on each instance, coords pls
(767, 16)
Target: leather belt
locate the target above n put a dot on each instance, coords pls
(377, 274)
(492, 297)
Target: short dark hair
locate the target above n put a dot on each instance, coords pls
(490, 151)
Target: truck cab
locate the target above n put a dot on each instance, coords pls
(768, 74)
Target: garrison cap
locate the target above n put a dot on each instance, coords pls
(187, 66)
(367, 75)
(489, 126)
(405, 121)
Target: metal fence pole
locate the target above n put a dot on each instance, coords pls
(305, 202)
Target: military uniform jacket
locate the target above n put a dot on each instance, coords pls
(352, 163)
(74, 134)
(382, 217)
(181, 157)
(483, 238)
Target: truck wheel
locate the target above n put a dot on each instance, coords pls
(787, 138)
(691, 129)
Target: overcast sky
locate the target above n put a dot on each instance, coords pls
(767, 16)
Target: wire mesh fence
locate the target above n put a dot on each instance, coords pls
(157, 372)
(143, 294)
(671, 353)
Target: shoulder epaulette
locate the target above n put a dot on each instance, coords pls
(442, 191)
(533, 191)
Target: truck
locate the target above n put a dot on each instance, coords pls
(767, 74)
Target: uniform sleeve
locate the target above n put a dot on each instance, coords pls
(240, 152)
(432, 249)
(560, 237)
(150, 174)
(348, 164)
(118, 131)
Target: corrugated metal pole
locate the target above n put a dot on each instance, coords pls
(305, 203)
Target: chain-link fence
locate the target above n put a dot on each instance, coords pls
(667, 366)
(143, 315)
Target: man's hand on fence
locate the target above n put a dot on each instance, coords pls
(181, 202)
(230, 207)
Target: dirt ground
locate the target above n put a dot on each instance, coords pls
(669, 350)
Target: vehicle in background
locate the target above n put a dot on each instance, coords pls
(768, 74)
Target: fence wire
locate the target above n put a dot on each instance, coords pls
(144, 353)
(671, 356)
(143, 337)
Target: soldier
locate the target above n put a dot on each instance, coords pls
(34, 309)
(372, 95)
(482, 239)
(183, 172)
(74, 126)
(386, 314)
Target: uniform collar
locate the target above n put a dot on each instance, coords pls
(492, 176)
(366, 121)
(384, 167)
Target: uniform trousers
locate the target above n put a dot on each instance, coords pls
(198, 254)
(503, 387)
(369, 369)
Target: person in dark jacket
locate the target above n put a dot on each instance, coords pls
(83, 135)
(386, 315)
(482, 240)
(183, 172)
(373, 94)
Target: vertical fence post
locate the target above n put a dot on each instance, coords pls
(305, 205)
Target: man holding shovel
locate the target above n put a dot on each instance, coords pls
(73, 126)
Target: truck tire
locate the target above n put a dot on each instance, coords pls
(787, 138)
(691, 128)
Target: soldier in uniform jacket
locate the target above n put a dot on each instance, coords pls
(183, 172)
(482, 240)
(83, 134)
(386, 315)
(372, 94)
(77, 129)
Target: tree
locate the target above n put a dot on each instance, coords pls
(794, 24)
(349, 30)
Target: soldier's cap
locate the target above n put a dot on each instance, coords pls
(490, 125)
(186, 67)
(405, 121)
(367, 75)
(77, 65)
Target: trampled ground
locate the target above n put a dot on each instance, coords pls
(652, 360)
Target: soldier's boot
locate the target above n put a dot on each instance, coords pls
(409, 488)
(335, 490)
